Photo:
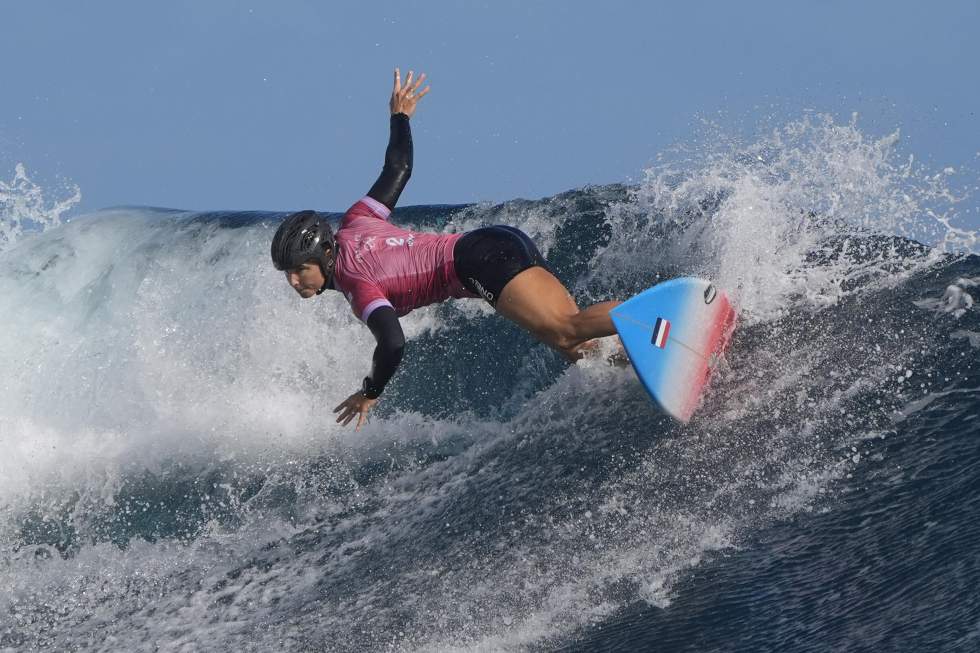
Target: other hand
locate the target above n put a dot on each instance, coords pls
(356, 405)
(404, 98)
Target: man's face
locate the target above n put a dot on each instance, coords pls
(307, 279)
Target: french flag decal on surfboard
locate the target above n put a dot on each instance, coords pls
(660, 331)
(699, 320)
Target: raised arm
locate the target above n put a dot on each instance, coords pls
(398, 156)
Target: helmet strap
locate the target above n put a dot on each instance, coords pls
(327, 276)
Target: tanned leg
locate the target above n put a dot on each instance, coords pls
(537, 301)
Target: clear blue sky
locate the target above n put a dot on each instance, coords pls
(282, 105)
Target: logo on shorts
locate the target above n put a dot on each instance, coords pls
(486, 294)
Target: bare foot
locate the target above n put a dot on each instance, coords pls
(588, 349)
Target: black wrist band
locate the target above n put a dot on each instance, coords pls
(369, 390)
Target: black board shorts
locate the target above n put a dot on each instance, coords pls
(487, 259)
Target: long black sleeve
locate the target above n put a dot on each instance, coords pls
(398, 163)
(388, 354)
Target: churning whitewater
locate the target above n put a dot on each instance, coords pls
(172, 479)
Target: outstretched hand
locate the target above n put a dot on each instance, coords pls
(404, 98)
(356, 405)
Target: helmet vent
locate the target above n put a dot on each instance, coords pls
(309, 240)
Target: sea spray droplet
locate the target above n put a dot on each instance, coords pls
(25, 207)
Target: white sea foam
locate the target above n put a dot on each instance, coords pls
(752, 216)
(955, 300)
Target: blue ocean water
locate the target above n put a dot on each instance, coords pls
(171, 478)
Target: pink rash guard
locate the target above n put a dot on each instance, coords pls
(379, 264)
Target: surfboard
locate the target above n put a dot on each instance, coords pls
(674, 334)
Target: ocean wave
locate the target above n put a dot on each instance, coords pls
(172, 473)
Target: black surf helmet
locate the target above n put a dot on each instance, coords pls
(304, 236)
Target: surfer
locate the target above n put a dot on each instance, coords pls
(385, 271)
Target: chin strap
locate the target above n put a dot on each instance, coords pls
(326, 282)
(327, 277)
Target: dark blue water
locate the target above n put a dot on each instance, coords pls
(171, 477)
(887, 561)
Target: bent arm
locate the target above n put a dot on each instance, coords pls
(398, 163)
(383, 323)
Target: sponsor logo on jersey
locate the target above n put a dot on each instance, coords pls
(363, 244)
